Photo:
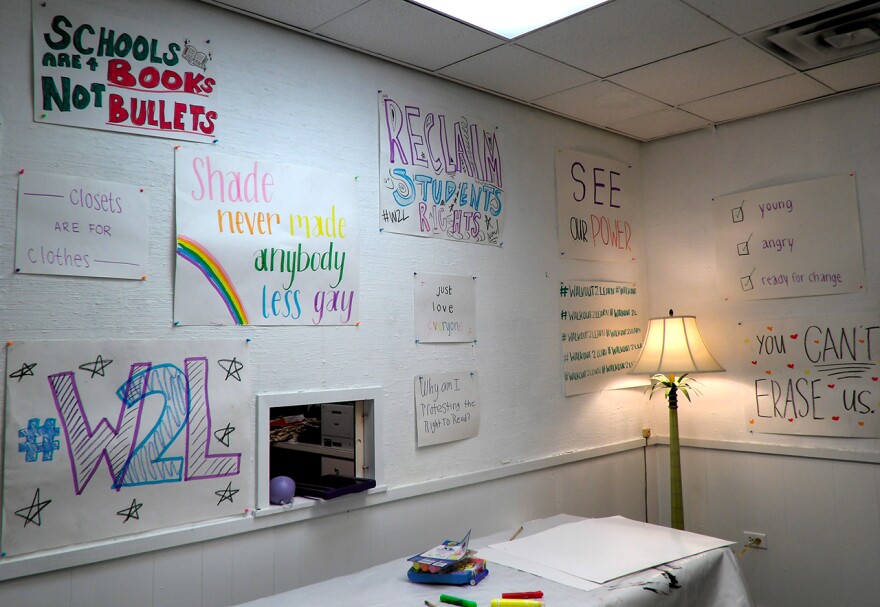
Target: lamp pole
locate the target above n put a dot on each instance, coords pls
(676, 500)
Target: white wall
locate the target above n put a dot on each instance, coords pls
(818, 499)
(293, 99)
(325, 101)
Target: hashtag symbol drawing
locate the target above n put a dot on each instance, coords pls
(385, 215)
(563, 337)
(39, 440)
(564, 315)
(563, 290)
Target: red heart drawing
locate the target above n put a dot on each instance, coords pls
(836, 418)
(768, 372)
(793, 336)
(769, 327)
(791, 419)
(751, 421)
(861, 341)
(831, 385)
(874, 378)
(790, 366)
(815, 341)
(754, 362)
(861, 423)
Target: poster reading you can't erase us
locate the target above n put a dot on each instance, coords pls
(818, 376)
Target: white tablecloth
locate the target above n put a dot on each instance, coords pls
(708, 579)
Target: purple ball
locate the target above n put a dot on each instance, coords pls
(281, 490)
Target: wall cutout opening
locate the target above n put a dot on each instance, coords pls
(324, 440)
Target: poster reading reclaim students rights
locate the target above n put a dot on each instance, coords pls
(597, 206)
(818, 376)
(116, 437)
(136, 71)
(440, 173)
(263, 243)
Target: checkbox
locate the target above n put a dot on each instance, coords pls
(742, 248)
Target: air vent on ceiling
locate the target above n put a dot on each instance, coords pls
(833, 35)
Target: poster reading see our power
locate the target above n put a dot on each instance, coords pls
(135, 71)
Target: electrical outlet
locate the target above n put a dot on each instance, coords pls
(759, 539)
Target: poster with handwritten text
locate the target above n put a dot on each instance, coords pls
(447, 407)
(263, 243)
(597, 204)
(80, 226)
(791, 240)
(111, 438)
(440, 173)
(811, 376)
(601, 330)
(445, 308)
(133, 71)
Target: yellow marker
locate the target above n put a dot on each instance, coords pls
(516, 603)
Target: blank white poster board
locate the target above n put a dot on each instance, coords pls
(445, 308)
(597, 203)
(110, 438)
(80, 226)
(447, 407)
(602, 549)
(790, 240)
(811, 376)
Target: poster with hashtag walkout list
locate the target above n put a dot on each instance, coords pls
(601, 330)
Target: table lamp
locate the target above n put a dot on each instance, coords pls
(674, 348)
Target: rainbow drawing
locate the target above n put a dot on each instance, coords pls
(208, 265)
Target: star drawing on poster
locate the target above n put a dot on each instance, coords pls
(97, 366)
(27, 369)
(222, 434)
(232, 368)
(133, 511)
(226, 494)
(32, 513)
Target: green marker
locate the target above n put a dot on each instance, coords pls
(445, 598)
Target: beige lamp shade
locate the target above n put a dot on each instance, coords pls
(673, 345)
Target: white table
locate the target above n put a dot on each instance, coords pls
(708, 579)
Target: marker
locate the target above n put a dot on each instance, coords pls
(516, 603)
(430, 604)
(516, 533)
(445, 598)
(537, 594)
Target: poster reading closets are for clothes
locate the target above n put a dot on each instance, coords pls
(111, 438)
(80, 226)
(263, 243)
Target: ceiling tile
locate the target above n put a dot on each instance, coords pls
(408, 33)
(624, 34)
(600, 103)
(517, 72)
(659, 124)
(303, 14)
(745, 16)
(759, 98)
(851, 74)
(708, 71)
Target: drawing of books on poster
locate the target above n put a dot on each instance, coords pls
(195, 57)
